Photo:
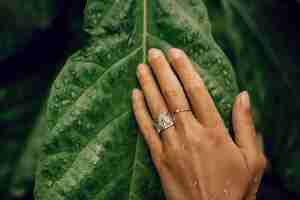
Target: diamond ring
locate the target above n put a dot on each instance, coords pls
(165, 120)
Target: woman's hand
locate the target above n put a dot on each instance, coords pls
(196, 158)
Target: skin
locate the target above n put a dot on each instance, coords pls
(196, 159)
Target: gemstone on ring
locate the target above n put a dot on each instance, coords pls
(165, 120)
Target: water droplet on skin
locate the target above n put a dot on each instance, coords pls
(195, 183)
(226, 192)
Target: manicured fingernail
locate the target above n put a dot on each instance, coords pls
(154, 53)
(138, 70)
(245, 99)
(141, 69)
(135, 93)
(175, 53)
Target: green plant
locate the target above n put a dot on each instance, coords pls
(266, 63)
(92, 149)
(259, 37)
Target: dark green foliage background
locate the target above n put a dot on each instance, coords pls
(260, 38)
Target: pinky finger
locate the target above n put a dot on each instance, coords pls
(146, 124)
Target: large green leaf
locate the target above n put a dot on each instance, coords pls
(92, 149)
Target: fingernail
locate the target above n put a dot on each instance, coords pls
(135, 93)
(175, 53)
(154, 53)
(140, 69)
(245, 100)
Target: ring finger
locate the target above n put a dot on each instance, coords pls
(154, 99)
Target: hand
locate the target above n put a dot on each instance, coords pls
(196, 159)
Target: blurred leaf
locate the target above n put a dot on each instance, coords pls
(19, 106)
(20, 19)
(25, 80)
(24, 173)
(261, 38)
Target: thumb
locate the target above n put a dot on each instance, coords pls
(245, 134)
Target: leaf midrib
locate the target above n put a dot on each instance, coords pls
(144, 46)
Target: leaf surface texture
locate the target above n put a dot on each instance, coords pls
(93, 149)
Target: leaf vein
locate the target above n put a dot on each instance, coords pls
(62, 182)
(68, 111)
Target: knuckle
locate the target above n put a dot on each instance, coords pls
(138, 107)
(188, 128)
(216, 137)
(164, 160)
(191, 77)
(174, 158)
(171, 93)
(218, 140)
(259, 164)
(194, 139)
(147, 130)
(145, 79)
(262, 162)
(182, 123)
(158, 160)
(195, 86)
(173, 152)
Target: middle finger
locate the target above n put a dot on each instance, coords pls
(169, 84)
